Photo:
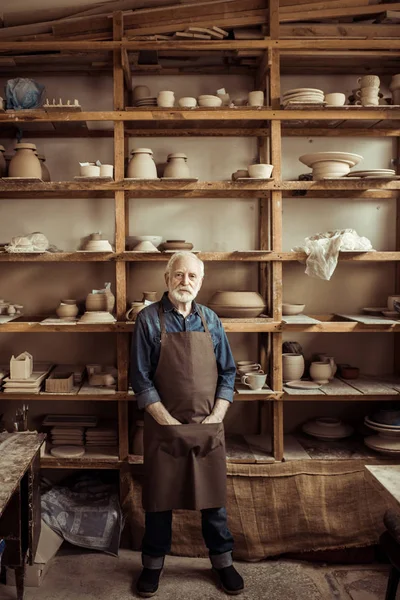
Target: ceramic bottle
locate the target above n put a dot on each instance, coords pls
(25, 163)
(141, 164)
(177, 166)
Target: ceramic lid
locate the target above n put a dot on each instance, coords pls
(2, 149)
(176, 155)
(23, 145)
(142, 151)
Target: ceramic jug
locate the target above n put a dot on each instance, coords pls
(321, 372)
(177, 166)
(45, 171)
(3, 164)
(25, 163)
(292, 366)
(134, 310)
(142, 165)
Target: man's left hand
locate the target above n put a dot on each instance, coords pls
(211, 419)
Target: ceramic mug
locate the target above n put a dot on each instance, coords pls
(166, 99)
(254, 381)
(367, 91)
(335, 99)
(367, 101)
(256, 98)
(369, 80)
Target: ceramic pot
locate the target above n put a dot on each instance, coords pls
(134, 310)
(150, 296)
(321, 372)
(292, 366)
(237, 304)
(256, 98)
(177, 166)
(166, 99)
(25, 163)
(335, 99)
(67, 309)
(187, 102)
(90, 170)
(137, 443)
(3, 164)
(45, 171)
(262, 171)
(141, 164)
(103, 301)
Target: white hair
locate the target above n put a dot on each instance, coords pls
(183, 254)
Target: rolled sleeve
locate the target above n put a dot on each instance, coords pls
(225, 364)
(141, 366)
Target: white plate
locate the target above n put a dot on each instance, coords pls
(298, 384)
(299, 90)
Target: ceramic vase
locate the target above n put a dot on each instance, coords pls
(142, 165)
(321, 372)
(177, 166)
(25, 163)
(292, 366)
(137, 444)
(134, 310)
(67, 309)
(3, 164)
(45, 171)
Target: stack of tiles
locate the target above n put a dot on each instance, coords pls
(67, 436)
(101, 436)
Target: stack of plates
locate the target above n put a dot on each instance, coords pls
(67, 436)
(327, 428)
(102, 436)
(31, 385)
(387, 424)
(376, 173)
(151, 101)
(303, 96)
(327, 165)
(97, 316)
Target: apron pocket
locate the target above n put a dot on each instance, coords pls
(182, 440)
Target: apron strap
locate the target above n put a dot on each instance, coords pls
(162, 319)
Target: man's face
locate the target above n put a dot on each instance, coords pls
(184, 281)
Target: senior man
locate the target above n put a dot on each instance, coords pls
(182, 373)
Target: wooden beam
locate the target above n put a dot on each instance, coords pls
(339, 30)
(321, 5)
(333, 13)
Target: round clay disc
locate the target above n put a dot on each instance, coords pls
(67, 451)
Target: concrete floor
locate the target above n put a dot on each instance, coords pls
(78, 575)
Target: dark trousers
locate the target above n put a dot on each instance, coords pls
(158, 534)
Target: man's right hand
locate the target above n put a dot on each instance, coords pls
(160, 414)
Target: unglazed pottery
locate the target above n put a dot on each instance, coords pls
(3, 164)
(150, 296)
(67, 309)
(292, 309)
(254, 381)
(139, 92)
(106, 170)
(177, 166)
(166, 99)
(331, 360)
(348, 157)
(210, 101)
(240, 173)
(369, 81)
(97, 316)
(237, 304)
(134, 310)
(45, 171)
(90, 170)
(133, 240)
(102, 300)
(142, 165)
(21, 366)
(176, 245)
(256, 98)
(25, 163)
(292, 366)
(321, 372)
(327, 428)
(263, 171)
(335, 99)
(187, 102)
(145, 247)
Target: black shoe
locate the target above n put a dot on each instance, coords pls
(230, 580)
(147, 584)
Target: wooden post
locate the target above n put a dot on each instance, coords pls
(396, 365)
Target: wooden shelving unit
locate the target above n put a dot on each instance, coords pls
(276, 55)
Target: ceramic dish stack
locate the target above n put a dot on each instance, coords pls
(303, 96)
(67, 436)
(387, 425)
(102, 436)
(98, 316)
(330, 165)
(237, 304)
(327, 428)
(143, 102)
(373, 173)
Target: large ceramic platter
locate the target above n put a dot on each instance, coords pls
(347, 157)
(383, 426)
(298, 384)
(370, 172)
(383, 444)
(299, 90)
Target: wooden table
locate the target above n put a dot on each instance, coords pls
(386, 478)
(20, 500)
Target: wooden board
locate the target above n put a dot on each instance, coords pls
(299, 320)
(366, 320)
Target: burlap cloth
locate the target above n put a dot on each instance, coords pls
(277, 508)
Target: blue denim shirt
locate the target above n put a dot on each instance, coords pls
(145, 351)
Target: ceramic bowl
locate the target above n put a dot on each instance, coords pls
(145, 247)
(237, 304)
(335, 99)
(133, 240)
(187, 102)
(292, 309)
(262, 171)
(98, 246)
(235, 312)
(327, 428)
(348, 157)
(176, 245)
(210, 101)
(139, 92)
(90, 171)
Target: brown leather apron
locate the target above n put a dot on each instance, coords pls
(185, 465)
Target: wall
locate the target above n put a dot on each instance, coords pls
(211, 224)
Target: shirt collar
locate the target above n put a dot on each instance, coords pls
(169, 307)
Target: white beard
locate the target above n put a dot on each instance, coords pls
(182, 296)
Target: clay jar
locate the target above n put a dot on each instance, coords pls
(134, 310)
(177, 166)
(321, 372)
(3, 164)
(166, 99)
(141, 165)
(25, 163)
(292, 366)
(67, 308)
(45, 171)
(104, 301)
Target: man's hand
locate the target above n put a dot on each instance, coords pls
(160, 414)
(218, 412)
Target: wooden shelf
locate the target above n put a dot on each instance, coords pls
(58, 257)
(362, 389)
(99, 397)
(338, 324)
